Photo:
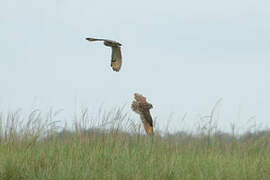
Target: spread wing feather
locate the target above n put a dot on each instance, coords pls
(116, 61)
(94, 39)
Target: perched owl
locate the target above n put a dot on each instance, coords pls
(116, 61)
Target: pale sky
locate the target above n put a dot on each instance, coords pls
(182, 55)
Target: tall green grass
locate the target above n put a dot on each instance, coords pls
(110, 145)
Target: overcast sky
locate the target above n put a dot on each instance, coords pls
(182, 55)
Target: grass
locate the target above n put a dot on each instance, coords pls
(40, 150)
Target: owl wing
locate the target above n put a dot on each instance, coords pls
(116, 61)
(147, 116)
(94, 39)
(142, 107)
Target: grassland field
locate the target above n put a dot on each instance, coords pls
(38, 149)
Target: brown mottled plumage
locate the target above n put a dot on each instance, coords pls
(116, 60)
(142, 107)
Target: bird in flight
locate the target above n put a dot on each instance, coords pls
(142, 107)
(116, 60)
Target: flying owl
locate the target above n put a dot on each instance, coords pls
(142, 107)
(116, 60)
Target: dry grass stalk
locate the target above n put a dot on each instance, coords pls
(142, 107)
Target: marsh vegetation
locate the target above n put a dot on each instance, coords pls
(111, 145)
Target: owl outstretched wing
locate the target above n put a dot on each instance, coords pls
(116, 61)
